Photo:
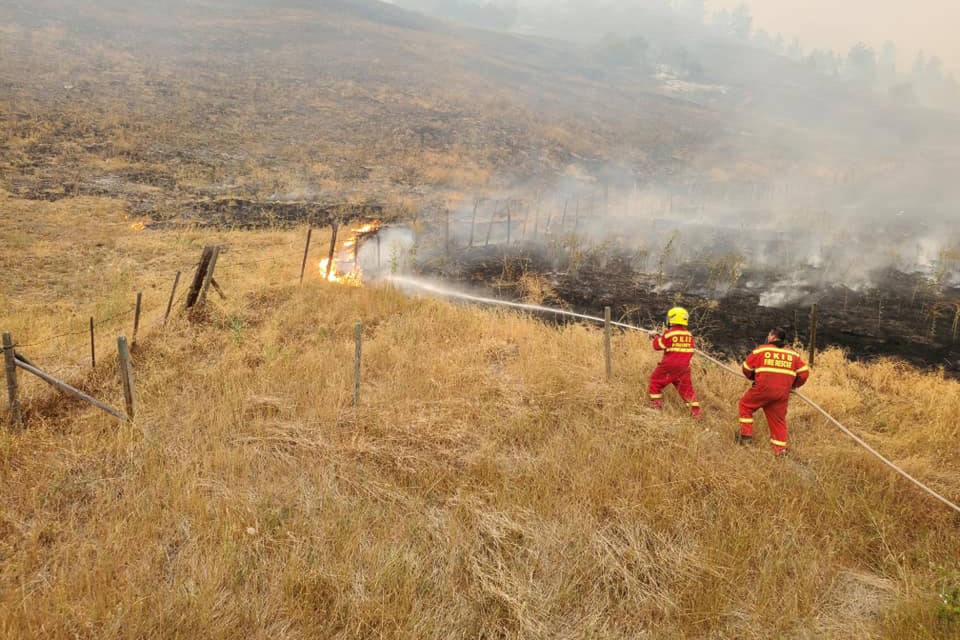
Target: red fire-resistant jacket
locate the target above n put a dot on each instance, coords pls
(677, 345)
(776, 368)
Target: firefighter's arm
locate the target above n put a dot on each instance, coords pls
(803, 372)
(748, 371)
(658, 342)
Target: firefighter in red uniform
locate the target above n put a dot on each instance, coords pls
(674, 368)
(775, 370)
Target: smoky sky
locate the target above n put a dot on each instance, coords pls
(918, 25)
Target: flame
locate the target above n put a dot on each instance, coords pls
(345, 268)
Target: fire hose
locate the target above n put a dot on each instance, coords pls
(540, 309)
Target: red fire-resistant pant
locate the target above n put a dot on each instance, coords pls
(665, 375)
(774, 404)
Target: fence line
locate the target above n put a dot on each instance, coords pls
(130, 402)
(83, 331)
(101, 323)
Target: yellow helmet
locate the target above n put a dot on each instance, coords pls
(678, 315)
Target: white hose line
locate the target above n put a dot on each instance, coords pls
(533, 307)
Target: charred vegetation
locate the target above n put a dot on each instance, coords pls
(907, 316)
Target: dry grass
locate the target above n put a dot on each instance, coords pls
(492, 483)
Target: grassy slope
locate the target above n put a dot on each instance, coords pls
(491, 484)
(319, 101)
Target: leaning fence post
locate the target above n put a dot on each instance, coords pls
(202, 299)
(176, 281)
(136, 318)
(65, 388)
(606, 342)
(199, 276)
(813, 334)
(10, 365)
(358, 339)
(306, 250)
(93, 347)
(126, 377)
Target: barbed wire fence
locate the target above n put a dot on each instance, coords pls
(81, 357)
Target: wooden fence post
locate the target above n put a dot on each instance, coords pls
(490, 226)
(606, 342)
(126, 377)
(136, 318)
(93, 347)
(202, 299)
(334, 227)
(173, 291)
(10, 365)
(446, 232)
(356, 253)
(526, 219)
(64, 387)
(812, 336)
(358, 339)
(473, 221)
(306, 250)
(199, 276)
(536, 218)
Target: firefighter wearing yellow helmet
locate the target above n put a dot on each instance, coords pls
(678, 315)
(678, 348)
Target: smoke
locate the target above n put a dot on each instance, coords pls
(796, 181)
(716, 238)
(389, 251)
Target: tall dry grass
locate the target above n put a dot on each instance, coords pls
(491, 484)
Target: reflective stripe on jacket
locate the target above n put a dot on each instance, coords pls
(678, 346)
(773, 367)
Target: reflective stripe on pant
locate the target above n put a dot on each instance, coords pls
(774, 404)
(664, 376)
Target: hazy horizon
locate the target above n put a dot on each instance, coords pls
(923, 25)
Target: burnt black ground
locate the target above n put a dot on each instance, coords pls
(905, 316)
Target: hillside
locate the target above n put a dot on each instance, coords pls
(326, 101)
(490, 484)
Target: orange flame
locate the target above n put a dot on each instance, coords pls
(345, 268)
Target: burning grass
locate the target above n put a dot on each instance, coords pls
(491, 483)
